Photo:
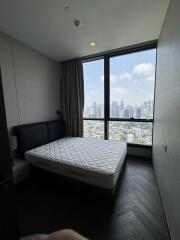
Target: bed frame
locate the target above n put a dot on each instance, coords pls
(33, 135)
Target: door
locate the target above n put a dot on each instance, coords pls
(8, 218)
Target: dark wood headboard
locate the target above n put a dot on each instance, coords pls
(33, 135)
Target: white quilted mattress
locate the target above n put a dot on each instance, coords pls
(94, 161)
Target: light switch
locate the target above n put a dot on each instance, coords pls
(164, 146)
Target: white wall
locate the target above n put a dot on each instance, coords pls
(167, 117)
(30, 82)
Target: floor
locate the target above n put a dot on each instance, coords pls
(137, 214)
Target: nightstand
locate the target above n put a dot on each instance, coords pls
(20, 170)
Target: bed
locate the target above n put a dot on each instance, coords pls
(94, 162)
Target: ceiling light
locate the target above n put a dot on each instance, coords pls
(92, 44)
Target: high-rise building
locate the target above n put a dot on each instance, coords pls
(94, 107)
(127, 113)
(98, 111)
(114, 109)
(102, 111)
(138, 113)
(130, 111)
(122, 105)
(121, 113)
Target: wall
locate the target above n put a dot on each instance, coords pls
(30, 83)
(167, 118)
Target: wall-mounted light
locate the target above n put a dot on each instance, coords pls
(93, 44)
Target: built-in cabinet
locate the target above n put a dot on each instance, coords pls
(8, 214)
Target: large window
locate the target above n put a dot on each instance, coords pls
(126, 84)
(94, 89)
(94, 98)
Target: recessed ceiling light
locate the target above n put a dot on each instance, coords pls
(92, 44)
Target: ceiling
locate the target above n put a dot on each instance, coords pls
(47, 27)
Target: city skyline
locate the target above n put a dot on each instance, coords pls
(121, 110)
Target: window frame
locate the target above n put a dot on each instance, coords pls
(106, 56)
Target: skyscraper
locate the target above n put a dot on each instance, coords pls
(127, 113)
(122, 105)
(138, 113)
(114, 109)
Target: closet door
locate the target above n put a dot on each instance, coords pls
(8, 217)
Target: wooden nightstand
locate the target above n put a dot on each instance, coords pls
(20, 170)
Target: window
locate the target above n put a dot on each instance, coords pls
(94, 98)
(94, 89)
(132, 78)
(127, 85)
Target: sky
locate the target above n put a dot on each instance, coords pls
(132, 78)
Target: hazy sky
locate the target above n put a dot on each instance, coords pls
(131, 78)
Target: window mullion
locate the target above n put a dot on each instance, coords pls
(106, 96)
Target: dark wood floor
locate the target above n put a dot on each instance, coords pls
(137, 214)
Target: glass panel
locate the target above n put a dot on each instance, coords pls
(132, 78)
(94, 129)
(132, 132)
(94, 89)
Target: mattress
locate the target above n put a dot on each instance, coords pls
(94, 161)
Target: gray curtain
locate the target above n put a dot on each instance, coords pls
(72, 96)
